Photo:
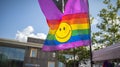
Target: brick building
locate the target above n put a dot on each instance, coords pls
(20, 54)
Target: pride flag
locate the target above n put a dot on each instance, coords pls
(69, 29)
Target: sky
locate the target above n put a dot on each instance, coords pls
(20, 19)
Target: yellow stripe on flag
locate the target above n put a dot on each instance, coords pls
(80, 26)
(74, 27)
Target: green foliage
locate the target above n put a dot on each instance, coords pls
(110, 25)
(61, 57)
(82, 52)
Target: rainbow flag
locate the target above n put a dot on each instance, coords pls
(69, 29)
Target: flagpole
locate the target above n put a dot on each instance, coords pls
(90, 46)
(74, 55)
(63, 4)
(91, 56)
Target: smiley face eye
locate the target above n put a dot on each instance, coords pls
(63, 28)
(60, 29)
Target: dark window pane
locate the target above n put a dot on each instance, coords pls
(11, 57)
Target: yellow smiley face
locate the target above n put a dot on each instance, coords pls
(63, 33)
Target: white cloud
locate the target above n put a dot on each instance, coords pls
(28, 32)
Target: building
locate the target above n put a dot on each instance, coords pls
(110, 53)
(20, 54)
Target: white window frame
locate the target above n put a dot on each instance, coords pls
(51, 62)
(31, 52)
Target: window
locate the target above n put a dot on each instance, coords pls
(54, 55)
(33, 52)
(11, 57)
(51, 64)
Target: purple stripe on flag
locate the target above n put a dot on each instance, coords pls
(49, 9)
(76, 6)
(66, 46)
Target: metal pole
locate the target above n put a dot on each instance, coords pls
(63, 4)
(74, 56)
(91, 39)
(91, 56)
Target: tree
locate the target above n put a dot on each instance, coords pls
(109, 26)
(82, 53)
